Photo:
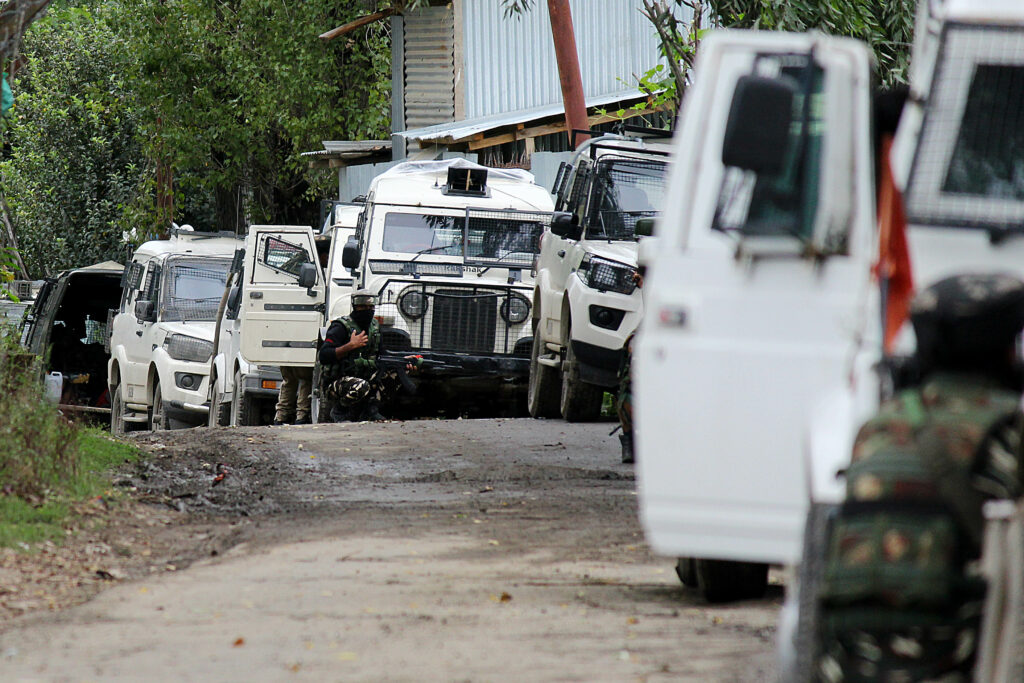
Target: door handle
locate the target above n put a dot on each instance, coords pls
(561, 253)
(138, 333)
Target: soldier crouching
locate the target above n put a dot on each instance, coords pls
(352, 382)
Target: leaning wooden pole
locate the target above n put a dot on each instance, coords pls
(568, 69)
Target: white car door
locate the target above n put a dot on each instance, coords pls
(745, 326)
(279, 318)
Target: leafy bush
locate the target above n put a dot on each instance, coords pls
(38, 448)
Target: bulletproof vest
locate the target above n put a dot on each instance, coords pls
(894, 574)
(348, 365)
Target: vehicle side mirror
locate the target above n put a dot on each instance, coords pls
(234, 302)
(564, 225)
(307, 275)
(758, 128)
(644, 227)
(350, 255)
(145, 311)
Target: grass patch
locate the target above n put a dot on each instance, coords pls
(24, 523)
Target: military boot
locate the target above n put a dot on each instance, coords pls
(626, 439)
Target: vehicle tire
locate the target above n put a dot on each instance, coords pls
(220, 412)
(243, 412)
(580, 402)
(158, 420)
(542, 392)
(728, 580)
(118, 427)
(812, 567)
(686, 570)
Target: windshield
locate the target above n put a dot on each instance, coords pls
(193, 289)
(491, 236)
(625, 190)
(968, 168)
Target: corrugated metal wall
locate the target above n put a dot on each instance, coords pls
(429, 67)
(509, 64)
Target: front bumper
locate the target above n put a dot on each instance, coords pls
(468, 365)
(598, 365)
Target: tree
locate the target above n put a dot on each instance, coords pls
(73, 172)
(234, 91)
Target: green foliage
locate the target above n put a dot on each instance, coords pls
(29, 521)
(234, 91)
(38, 447)
(74, 174)
(888, 27)
(8, 265)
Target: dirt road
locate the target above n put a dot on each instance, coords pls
(467, 550)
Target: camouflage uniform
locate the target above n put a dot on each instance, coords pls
(354, 384)
(898, 601)
(624, 402)
(900, 598)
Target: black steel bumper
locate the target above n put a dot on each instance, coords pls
(598, 365)
(468, 365)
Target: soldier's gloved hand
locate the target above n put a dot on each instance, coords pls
(417, 361)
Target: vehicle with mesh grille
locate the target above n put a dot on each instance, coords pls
(449, 248)
(161, 338)
(586, 302)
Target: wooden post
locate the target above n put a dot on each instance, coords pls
(568, 68)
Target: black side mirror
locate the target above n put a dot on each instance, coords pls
(565, 226)
(350, 254)
(145, 311)
(307, 275)
(234, 302)
(644, 227)
(758, 127)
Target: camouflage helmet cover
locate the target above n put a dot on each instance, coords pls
(968, 319)
(364, 297)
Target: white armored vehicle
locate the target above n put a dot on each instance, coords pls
(586, 302)
(161, 337)
(449, 248)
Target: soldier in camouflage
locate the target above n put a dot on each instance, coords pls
(900, 598)
(350, 378)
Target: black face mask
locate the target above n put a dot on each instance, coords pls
(362, 318)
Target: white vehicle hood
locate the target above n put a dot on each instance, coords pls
(199, 330)
(623, 252)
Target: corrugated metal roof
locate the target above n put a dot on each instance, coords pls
(459, 130)
(429, 66)
(509, 64)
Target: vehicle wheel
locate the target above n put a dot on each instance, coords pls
(158, 417)
(220, 412)
(812, 567)
(243, 412)
(728, 580)
(542, 392)
(686, 570)
(118, 427)
(580, 401)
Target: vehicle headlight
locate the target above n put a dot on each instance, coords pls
(606, 276)
(515, 309)
(184, 347)
(412, 303)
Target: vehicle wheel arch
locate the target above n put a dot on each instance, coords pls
(114, 374)
(152, 381)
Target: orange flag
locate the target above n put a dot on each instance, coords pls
(893, 267)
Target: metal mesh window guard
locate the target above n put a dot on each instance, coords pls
(625, 190)
(193, 290)
(453, 318)
(503, 237)
(283, 256)
(968, 168)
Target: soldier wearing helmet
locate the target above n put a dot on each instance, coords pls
(899, 599)
(352, 382)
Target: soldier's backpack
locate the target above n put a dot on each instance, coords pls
(897, 600)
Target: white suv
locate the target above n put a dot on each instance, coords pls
(162, 334)
(586, 301)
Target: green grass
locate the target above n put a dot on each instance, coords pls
(23, 524)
